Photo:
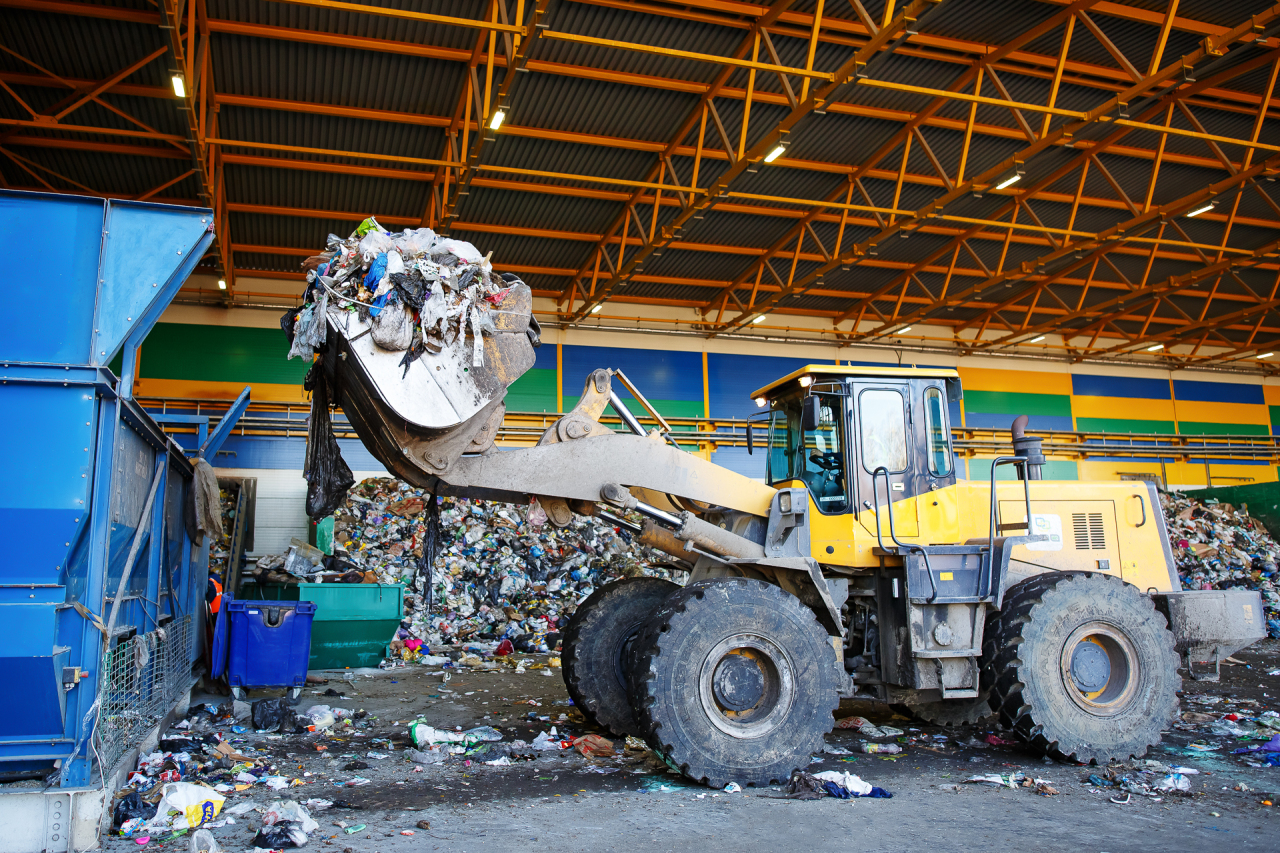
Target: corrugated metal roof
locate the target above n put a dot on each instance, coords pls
(593, 90)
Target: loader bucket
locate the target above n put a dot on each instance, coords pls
(430, 412)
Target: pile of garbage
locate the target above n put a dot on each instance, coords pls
(190, 779)
(1220, 546)
(220, 547)
(502, 572)
(418, 291)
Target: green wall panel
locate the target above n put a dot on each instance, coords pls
(220, 354)
(1013, 403)
(1054, 469)
(535, 391)
(1203, 428)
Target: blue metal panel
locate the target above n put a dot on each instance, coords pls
(79, 458)
(149, 250)
(28, 658)
(64, 233)
(44, 480)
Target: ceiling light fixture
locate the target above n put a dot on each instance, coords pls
(1266, 355)
(179, 86)
(775, 153)
(498, 118)
(904, 330)
(1011, 178)
(1155, 347)
(1199, 210)
(222, 284)
(1036, 340)
(596, 310)
(760, 319)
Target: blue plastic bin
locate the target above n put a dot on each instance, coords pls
(263, 643)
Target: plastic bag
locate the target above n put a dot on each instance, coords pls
(131, 806)
(321, 716)
(425, 735)
(328, 475)
(289, 811)
(428, 756)
(204, 842)
(416, 241)
(272, 714)
(194, 804)
(310, 331)
(392, 329)
(460, 249)
(283, 835)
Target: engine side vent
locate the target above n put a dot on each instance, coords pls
(1089, 532)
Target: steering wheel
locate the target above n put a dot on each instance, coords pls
(827, 461)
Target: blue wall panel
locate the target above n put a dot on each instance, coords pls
(732, 378)
(1084, 385)
(658, 375)
(1217, 392)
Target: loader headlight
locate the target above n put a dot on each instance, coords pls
(784, 502)
(761, 402)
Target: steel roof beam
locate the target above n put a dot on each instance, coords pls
(1066, 131)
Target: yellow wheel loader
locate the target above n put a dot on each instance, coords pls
(861, 567)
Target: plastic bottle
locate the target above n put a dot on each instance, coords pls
(880, 748)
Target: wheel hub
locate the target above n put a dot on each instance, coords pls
(1090, 667)
(747, 685)
(1100, 669)
(738, 683)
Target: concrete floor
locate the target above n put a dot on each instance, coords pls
(564, 802)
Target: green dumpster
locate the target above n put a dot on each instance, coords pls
(354, 622)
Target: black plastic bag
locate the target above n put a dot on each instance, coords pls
(281, 835)
(132, 805)
(268, 714)
(430, 549)
(328, 475)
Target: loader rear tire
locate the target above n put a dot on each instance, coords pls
(1082, 666)
(596, 644)
(734, 680)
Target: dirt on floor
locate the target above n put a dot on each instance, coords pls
(565, 801)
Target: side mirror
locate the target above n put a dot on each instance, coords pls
(750, 446)
(809, 416)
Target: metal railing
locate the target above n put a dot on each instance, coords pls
(521, 428)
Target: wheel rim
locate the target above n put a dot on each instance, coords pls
(747, 686)
(1100, 668)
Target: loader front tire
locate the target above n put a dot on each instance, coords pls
(734, 680)
(596, 644)
(1082, 666)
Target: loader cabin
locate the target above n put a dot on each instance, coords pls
(833, 427)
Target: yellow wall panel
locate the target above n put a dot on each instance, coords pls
(1121, 408)
(1016, 381)
(1222, 413)
(262, 392)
